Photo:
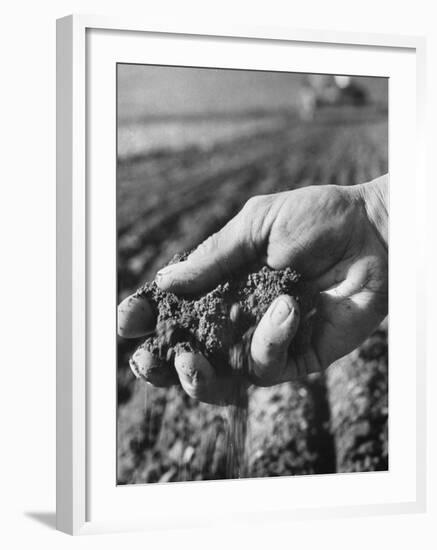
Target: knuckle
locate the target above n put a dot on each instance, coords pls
(207, 246)
(256, 220)
(208, 251)
(254, 204)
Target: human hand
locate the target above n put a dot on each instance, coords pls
(336, 237)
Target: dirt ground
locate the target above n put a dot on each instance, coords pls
(168, 201)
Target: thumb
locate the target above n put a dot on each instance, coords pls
(215, 260)
(271, 339)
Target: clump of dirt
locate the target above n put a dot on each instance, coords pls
(215, 323)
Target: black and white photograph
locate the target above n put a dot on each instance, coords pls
(252, 274)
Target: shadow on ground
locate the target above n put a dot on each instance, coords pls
(45, 518)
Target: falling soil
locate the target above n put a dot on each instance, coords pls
(220, 325)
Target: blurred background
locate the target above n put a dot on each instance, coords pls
(193, 146)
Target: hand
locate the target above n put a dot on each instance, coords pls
(336, 237)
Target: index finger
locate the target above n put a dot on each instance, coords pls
(213, 261)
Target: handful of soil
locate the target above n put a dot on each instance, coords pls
(222, 321)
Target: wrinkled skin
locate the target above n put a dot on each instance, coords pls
(332, 235)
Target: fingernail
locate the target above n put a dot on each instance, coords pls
(134, 367)
(140, 362)
(164, 272)
(135, 317)
(280, 312)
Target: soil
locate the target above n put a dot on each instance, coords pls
(358, 396)
(215, 323)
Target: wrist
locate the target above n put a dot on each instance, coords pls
(374, 197)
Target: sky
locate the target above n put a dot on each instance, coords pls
(150, 91)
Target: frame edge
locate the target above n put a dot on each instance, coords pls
(71, 512)
(70, 279)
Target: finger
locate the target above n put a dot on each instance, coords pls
(213, 261)
(271, 340)
(345, 322)
(135, 317)
(349, 278)
(200, 381)
(333, 277)
(158, 373)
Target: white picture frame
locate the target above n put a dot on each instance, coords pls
(74, 396)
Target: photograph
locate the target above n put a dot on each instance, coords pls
(252, 274)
